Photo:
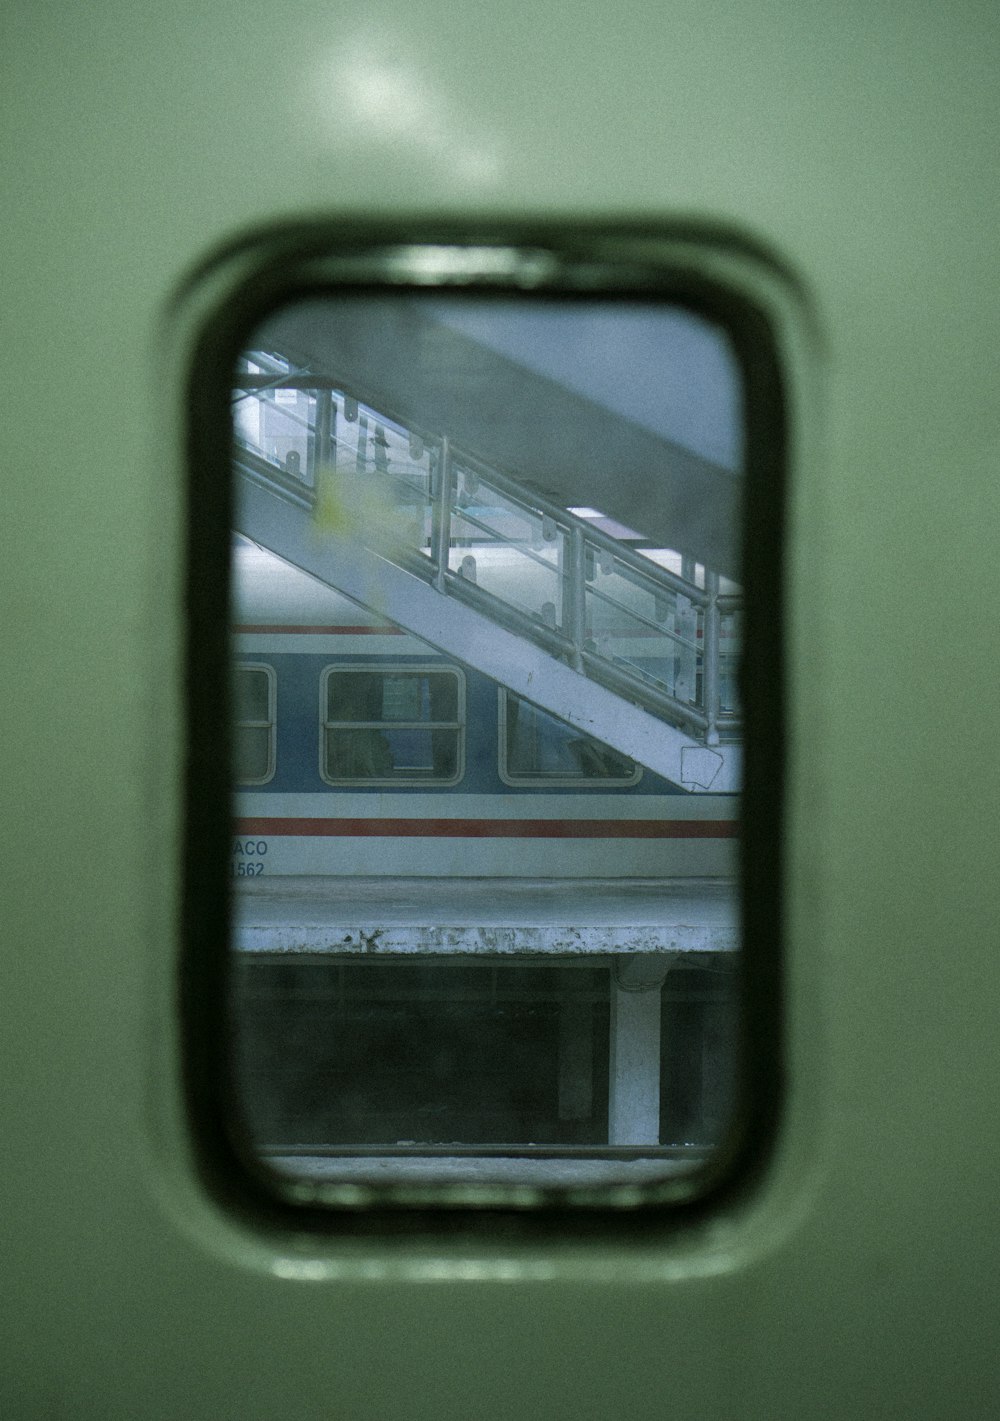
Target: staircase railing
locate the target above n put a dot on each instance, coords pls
(655, 636)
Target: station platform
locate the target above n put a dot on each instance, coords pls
(321, 915)
(442, 1169)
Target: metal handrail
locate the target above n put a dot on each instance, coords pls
(511, 488)
(581, 541)
(645, 567)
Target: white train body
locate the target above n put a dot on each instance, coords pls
(481, 817)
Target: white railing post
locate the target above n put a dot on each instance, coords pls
(441, 531)
(711, 657)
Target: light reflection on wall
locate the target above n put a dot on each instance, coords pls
(374, 93)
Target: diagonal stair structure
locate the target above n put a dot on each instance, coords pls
(558, 606)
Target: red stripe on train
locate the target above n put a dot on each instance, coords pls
(493, 828)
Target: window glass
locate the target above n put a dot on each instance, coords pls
(253, 694)
(536, 746)
(387, 727)
(486, 923)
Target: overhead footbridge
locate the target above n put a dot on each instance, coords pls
(571, 609)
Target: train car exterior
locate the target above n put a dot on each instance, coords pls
(312, 795)
(835, 167)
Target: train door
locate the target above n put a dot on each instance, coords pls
(835, 168)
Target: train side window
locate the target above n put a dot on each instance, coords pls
(541, 750)
(399, 726)
(254, 702)
(508, 515)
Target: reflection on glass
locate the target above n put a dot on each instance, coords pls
(384, 726)
(535, 745)
(253, 730)
(486, 636)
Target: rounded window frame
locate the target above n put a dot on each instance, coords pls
(715, 271)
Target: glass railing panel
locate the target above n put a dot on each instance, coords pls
(646, 628)
(277, 426)
(508, 549)
(387, 473)
(730, 644)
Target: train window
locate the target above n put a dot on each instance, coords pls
(254, 705)
(382, 727)
(537, 748)
(502, 520)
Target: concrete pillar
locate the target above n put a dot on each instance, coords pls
(634, 1066)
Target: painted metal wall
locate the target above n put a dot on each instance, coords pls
(858, 141)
